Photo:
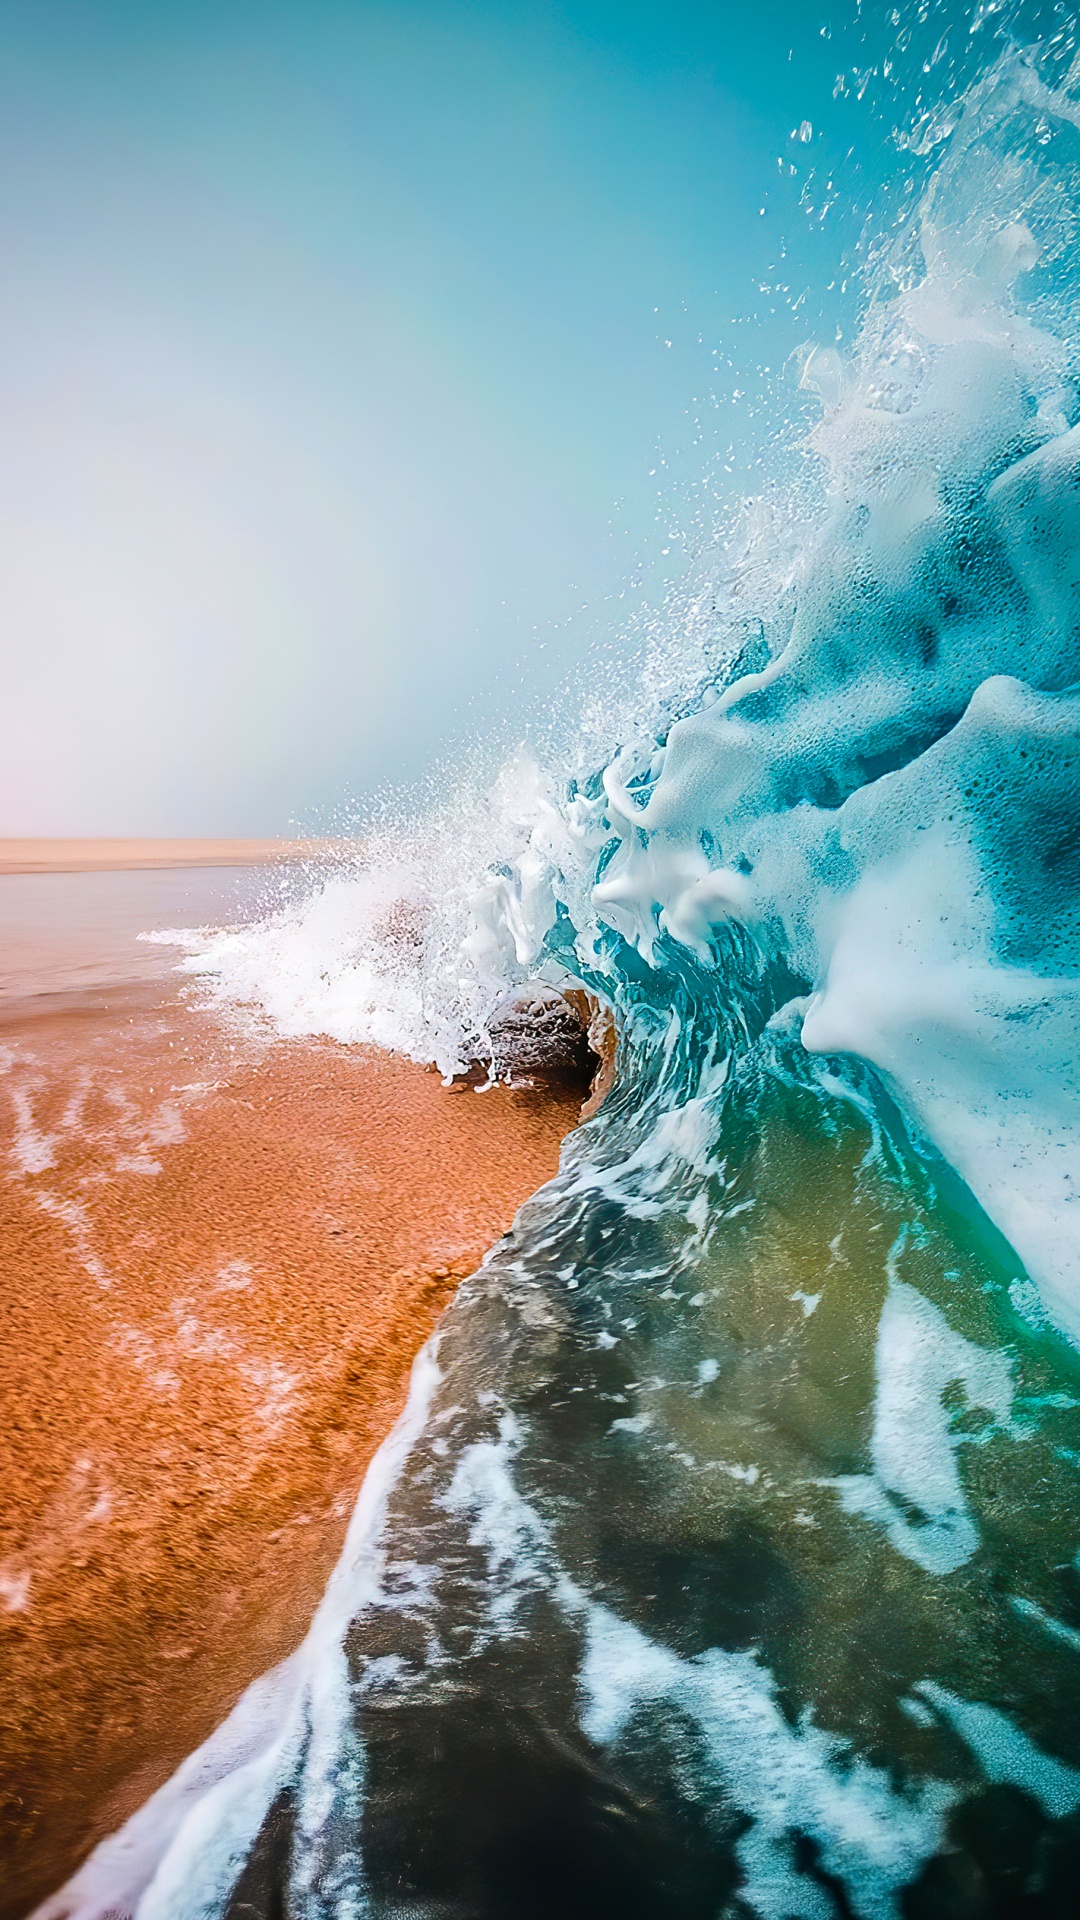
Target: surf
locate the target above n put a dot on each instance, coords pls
(727, 1559)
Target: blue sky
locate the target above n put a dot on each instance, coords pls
(358, 363)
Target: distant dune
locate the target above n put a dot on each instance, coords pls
(98, 856)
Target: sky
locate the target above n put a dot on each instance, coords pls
(359, 364)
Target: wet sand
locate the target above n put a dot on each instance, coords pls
(220, 1254)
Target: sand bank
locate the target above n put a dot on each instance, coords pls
(219, 1256)
(105, 856)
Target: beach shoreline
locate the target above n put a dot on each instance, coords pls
(222, 1253)
(117, 855)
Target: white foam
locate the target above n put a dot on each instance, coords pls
(1004, 1753)
(785, 1777)
(916, 1492)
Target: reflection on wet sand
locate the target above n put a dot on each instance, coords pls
(220, 1255)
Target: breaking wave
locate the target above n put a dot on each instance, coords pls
(727, 1560)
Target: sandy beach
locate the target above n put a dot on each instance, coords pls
(220, 1255)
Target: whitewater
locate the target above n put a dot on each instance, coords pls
(726, 1561)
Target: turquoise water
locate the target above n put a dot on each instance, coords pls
(727, 1562)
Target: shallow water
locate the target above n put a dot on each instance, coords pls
(728, 1561)
(80, 932)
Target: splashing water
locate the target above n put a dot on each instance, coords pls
(727, 1559)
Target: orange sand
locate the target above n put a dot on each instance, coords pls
(218, 1256)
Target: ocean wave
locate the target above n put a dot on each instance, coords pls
(729, 1563)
